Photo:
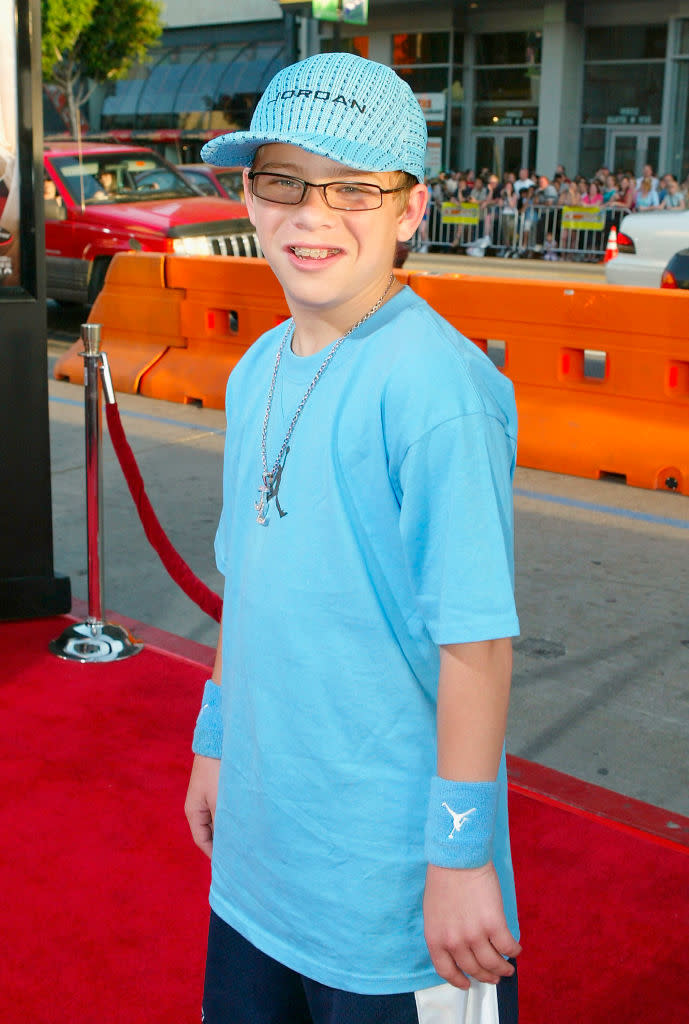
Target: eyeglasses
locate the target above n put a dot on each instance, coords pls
(339, 195)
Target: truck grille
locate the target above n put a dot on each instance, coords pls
(236, 245)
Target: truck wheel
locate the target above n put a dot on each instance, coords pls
(97, 277)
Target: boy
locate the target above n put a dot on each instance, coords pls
(366, 541)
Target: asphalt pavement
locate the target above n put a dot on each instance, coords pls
(601, 679)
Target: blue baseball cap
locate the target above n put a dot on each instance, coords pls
(354, 111)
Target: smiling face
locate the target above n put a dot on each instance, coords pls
(330, 263)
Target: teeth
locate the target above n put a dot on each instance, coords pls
(313, 254)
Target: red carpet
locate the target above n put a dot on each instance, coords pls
(103, 899)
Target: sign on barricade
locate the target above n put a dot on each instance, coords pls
(583, 218)
(459, 213)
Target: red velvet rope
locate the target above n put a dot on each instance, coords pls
(178, 569)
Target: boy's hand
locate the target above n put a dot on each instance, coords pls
(465, 927)
(202, 796)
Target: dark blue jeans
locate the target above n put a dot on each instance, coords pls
(245, 986)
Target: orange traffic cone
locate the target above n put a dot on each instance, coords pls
(611, 250)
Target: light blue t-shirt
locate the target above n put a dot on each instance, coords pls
(647, 199)
(396, 537)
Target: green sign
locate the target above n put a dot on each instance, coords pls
(326, 10)
(352, 12)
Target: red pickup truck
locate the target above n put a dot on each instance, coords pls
(102, 199)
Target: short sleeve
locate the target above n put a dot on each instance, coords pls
(456, 521)
(220, 545)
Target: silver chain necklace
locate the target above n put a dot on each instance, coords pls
(270, 480)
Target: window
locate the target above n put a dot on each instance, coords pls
(509, 48)
(424, 60)
(508, 79)
(421, 48)
(623, 94)
(199, 180)
(626, 42)
(357, 45)
(505, 86)
(424, 79)
(624, 79)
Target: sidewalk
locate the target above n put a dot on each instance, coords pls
(455, 263)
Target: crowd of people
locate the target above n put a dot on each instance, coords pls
(604, 189)
(523, 211)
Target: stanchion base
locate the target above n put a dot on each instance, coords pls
(94, 641)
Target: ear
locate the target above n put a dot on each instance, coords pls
(409, 221)
(248, 195)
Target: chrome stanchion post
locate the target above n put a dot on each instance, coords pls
(95, 640)
(93, 439)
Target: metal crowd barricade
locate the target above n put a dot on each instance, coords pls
(576, 233)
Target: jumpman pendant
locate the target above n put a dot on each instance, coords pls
(271, 481)
(269, 489)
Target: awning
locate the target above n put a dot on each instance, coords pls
(207, 88)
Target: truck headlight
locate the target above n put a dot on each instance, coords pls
(192, 245)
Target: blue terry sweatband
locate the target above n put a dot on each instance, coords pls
(460, 823)
(208, 732)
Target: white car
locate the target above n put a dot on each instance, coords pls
(646, 243)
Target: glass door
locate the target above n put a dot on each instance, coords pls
(515, 152)
(629, 152)
(501, 151)
(486, 152)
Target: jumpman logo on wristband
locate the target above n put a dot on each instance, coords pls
(458, 819)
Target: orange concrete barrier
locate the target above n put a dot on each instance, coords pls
(227, 303)
(174, 327)
(601, 373)
(140, 316)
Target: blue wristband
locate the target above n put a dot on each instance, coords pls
(460, 823)
(208, 732)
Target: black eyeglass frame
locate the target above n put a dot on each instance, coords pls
(324, 186)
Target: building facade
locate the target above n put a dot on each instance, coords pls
(504, 83)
